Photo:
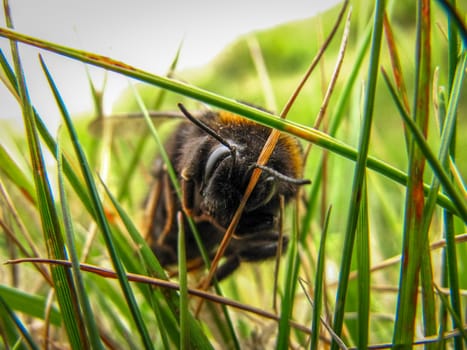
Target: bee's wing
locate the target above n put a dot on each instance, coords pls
(132, 123)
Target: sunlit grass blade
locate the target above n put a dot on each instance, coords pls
(100, 216)
(359, 170)
(318, 286)
(88, 315)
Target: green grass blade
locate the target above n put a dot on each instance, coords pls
(456, 21)
(197, 336)
(456, 320)
(100, 216)
(88, 315)
(182, 274)
(49, 217)
(29, 304)
(453, 264)
(413, 236)
(14, 173)
(318, 286)
(262, 117)
(290, 285)
(336, 119)
(363, 263)
(51, 145)
(456, 197)
(198, 339)
(9, 315)
(136, 157)
(359, 171)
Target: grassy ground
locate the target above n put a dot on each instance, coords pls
(390, 162)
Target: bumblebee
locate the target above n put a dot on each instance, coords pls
(213, 157)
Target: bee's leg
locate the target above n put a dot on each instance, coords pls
(262, 248)
(188, 192)
(227, 267)
(150, 211)
(153, 201)
(169, 202)
(256, 248)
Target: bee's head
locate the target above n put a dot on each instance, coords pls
(227, 158)
(227, 173)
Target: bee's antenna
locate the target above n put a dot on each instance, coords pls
(282, 177)
(208, 130)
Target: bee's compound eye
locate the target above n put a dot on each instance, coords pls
(215, 158)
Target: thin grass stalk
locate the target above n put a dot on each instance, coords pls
(397, 69)
(448, 224)
(428, 296)
(171, 172)
(359, 171)
(457, 322)
(318, 285)
(290, 285)
(183, 281)
(13, 236)
(363, 263)
(259, 116)
(262, 72)
(88, 315)
(455, 19)
(100, 215)
(426, 271)
(336, 119)
(136, 155)
(444, 277)
(414, 207)
(453, 53)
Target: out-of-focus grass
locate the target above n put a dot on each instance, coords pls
(374, 305)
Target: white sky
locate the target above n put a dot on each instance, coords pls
(142, 33)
